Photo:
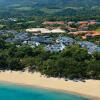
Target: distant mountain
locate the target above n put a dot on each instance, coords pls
(46, 7)
(84, 3)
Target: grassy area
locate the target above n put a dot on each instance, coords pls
(1, 26)
(98, 29)
(23, 8)
(30, 22)
(50, 11)
(14, 5)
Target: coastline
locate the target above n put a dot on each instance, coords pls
(89, 89)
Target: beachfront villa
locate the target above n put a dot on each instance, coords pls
(55, 47)
(65, 40)
(97, 49)
(87, 44)
(32, 44)
(18, 37)
(42, 39)
(91, 47)
(8, 32)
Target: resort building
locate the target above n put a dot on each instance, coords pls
(65, 40)
(18, 37)
(44, 30)
(32, 44)
(91, 47)
(97, 49)
(55, 48)
(42, 39)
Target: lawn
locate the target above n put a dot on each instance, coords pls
(1, 26)
(23, 8)
(98, 29)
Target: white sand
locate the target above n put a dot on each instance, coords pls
(89, 88)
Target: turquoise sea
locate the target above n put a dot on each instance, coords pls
(16, 92)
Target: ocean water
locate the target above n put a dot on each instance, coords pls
(16, 92)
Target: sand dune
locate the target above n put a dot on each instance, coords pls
(89, 88)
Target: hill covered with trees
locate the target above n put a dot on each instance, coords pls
(49, 7)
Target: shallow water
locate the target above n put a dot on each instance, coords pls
(16, 92)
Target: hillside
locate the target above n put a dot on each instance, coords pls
(49, 7)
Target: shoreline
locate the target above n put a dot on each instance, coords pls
(54, 84)
(52, 89)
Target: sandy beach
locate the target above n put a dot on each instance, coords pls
(90, 88)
